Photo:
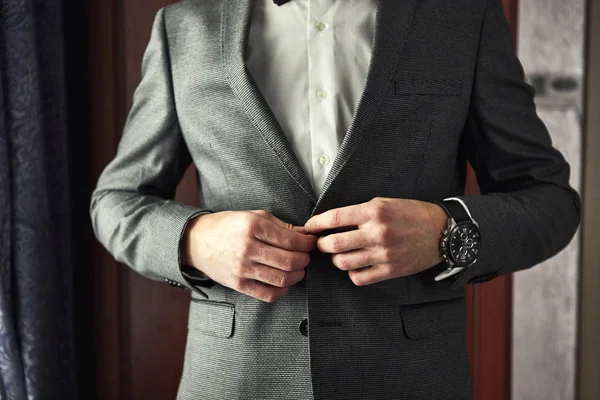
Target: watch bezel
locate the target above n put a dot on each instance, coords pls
(448, 239)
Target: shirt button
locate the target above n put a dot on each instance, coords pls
(321, 93)
(304, 327)
(324, 160)
(320, 26)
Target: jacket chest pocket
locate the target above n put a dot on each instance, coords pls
(435, 318)
(214, 318)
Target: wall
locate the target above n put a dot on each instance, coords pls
(545, 298)
(589, 314)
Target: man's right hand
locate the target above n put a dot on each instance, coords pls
(252, 252)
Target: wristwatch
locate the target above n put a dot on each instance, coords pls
(461, 240)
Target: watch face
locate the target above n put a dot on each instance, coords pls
(464, 243)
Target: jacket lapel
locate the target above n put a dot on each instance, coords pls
(392, 22)
(235, 20)
(391, 27)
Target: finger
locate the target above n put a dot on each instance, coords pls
(344, 229)
(262, 291)
(355, 259)
(278, 236)
(272, 218)
(287, 225)
(283, 224)
(275, 257)
(342, 242)
(300, 229)
(368, 276)
(337, 218)
(274, 276)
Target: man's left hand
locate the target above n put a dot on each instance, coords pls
(391, 238)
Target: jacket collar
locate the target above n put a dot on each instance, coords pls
(393, 19)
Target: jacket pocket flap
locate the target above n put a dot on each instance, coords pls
(433, 318)
(213, 318)
(439, 87)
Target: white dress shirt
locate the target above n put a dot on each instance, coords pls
(310, 59)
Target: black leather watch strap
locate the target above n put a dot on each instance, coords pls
(455, 210)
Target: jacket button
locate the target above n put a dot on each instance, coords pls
(304, 327)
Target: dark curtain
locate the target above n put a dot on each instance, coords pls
(36, 293)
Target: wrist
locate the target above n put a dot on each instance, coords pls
(462, 238)
(438, 222)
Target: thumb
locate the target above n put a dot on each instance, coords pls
(286, 225)
(300, 229)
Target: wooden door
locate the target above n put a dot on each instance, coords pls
(489, 310)
(140, 325)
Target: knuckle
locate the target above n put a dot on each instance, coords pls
(286, 263)
(288, 279)
(293, 261)
(336, 245)
(386, 253)
(299, 276)
(335, 217)
(342, 263)
(287, 241)
(375, 201)
(248, 225)
(384, 233)
(283, 280)
(238, 283)
(247, 231)
(356, 279)
(270, 296)
(263, 213)
(239, 269)
(365, 259)
(246, 251)
(298, 260)
(388, 269)
(304, 259)
(308, 225)
(378, 211)
(253, 289)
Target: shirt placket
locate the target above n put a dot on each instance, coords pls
(322, 90)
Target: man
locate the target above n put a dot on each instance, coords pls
(330, 138)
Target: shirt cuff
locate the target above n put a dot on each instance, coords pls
(193, 274)
(448, 273)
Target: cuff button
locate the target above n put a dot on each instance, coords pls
(173, 283)
(304, 327)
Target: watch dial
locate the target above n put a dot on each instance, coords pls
(464, 243)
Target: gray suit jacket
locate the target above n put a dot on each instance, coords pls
(444, 87)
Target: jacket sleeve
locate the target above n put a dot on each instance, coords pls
(132, 209)
(527, 211)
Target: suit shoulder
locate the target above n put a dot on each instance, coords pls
(186, 5)
(463, 14)
(455, 7)
(205, 10)
(198, 17)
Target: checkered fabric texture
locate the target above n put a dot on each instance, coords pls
(444, 87)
